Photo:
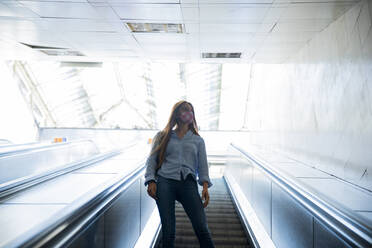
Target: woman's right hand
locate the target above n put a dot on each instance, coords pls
(151, 190)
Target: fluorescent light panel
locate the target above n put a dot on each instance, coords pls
(156, 27)
(221, 55)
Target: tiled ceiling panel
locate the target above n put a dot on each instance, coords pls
(78, 25)
(99, 28)
(62, 9)
(226, 37)
(149, 11)
(38, 38)
(14, 9)
(164, 39)
(235, 27)
(16, 25)
(317, 11)
(311, 25)
(230, 13)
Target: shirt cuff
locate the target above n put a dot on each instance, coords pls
(201, 182)
(149, 181)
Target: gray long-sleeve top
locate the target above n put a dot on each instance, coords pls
(183, 155)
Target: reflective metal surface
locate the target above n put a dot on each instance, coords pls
(323, 237)
(61, 190)
(292, 225)
(16, 219)
(298, 170)
(111, 165)
(122, 225)
(295, 205)
(343, 194)
(93, 236)
(147, 204)
(367, 215)
(261, 198)
(246, 183)
(119, 198)
(31, 163)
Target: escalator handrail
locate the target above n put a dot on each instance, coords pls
(42, 146)
(344, 223)
(59, 231)
(15, 186)
(23, 183)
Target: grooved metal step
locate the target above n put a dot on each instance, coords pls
(223, 221)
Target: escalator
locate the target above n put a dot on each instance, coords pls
(223, 221)
(104, 203)
(77, 198)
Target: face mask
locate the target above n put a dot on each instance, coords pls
(187, 117)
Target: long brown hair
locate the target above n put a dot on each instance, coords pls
(166, 132)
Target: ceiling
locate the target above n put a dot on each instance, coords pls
(263, 31)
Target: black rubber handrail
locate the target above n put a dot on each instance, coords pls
(61, 230)
(347, 226)
(9, 150)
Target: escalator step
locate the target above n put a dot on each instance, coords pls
(223, 221)
(222, 231)
(217, 226)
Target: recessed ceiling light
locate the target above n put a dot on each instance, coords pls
(222, 55)
(80, 64)
(52, 52)
(156, 27)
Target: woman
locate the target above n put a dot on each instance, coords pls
(176, 157)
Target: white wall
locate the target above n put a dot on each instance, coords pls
(17, 123)
(318, 106)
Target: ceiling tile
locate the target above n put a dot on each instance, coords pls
(192, 27)
(100, 40)
(225, 47)
(15, 10)
(160, 48)
(62, 9)
(225, 37)
(232, 13)
(106, 12)
(37, 38)
(144, 38)
(315, 10)
(168, 12)
(110, 53)
(15, 25)
(77, 25)
(253, 27)
(302, 26)
(233, 27)
(283, 46)
(290, 37)
(190, 14)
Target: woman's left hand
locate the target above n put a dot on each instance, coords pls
(205, 196)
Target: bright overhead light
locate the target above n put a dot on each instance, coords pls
(80, 64)
(156, 27)
(222, 55)
(52, 52)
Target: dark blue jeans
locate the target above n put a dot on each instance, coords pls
(186, 192)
